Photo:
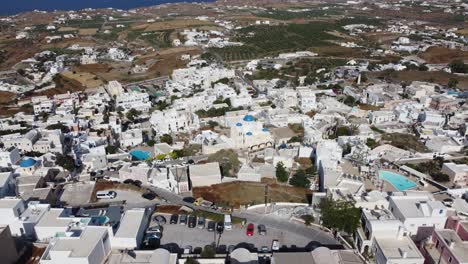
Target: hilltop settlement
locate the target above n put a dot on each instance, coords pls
(236, 132)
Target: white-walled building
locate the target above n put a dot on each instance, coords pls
(131, 230)
(136, 100)
(91, 245)
(9, 157)
(21, 217)
(205, 174)
(131, 138)
(417, 210)
(172, 121)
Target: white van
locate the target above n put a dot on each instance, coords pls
(227, 222)
(106, 194)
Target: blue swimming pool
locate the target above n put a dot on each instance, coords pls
(401, 183)
(140, 154)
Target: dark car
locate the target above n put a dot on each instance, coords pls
(183, 220)
(192, 221)
(201, 222)
(211, 226)
(149, 195)
(220, 227)
(161, 220)
(174, 219)
(188, 199)
(262, 230)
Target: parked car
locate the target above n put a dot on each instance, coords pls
(189, 199)
(262, 230)
(188, 250)
(192, 221)
(220, 227)
(174, 219)
(183, 219)
(161, 220)
(275, 245)
(155, 228)
(106, 194)
(227, 222)
(250, 229)
(211, 226)
(149, 195)
(201, 222)
(265, 249)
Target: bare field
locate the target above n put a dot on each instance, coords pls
(67, 29)
(86, 79)
(441, 78)
(172, 24)
(241, 193)
(442, 55)
(87, 31)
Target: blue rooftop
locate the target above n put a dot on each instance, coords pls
(265, 129)
(238, 124)
(249, 118)
(249, 134)
(27, 163)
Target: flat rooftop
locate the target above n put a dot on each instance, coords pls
(395, 248)
(130, 223)
(81, 246)
(460, 247)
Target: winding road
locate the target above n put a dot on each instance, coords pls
(312, 233)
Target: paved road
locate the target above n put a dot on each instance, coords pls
(312, 233)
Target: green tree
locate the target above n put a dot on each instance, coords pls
(281, 173)
(150, 143)
(300, 179)
(132, 114)
(191, 260)
(166, 138)
(228, 161)
(458, 66)
(110, 149)
(440, 177)
(452, 83)
(208, 252)
(308, 219)
(371, 143)
(340, 215)
(65, 162)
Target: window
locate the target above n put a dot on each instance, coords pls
(450, 259)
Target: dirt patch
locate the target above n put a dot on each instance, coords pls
(67, 29)
(87, 31)
(242, 193)
(94, 68)
(165, 62)
(86, 79)
(439, 77)
(168, 209)
(173, 24)
(6, 97)
(442, 55)
(339, 51)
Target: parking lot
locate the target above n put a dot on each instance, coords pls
(184, 236)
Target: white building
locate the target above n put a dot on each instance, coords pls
(9, 157)
(172, 121)
(205, 174)
(20, 217)
(92, 245)
(131, 230)
(136, 100)
(417, 210)
(381, 117)
(249, 133)
(131, 138)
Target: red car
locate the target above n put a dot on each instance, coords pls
(250, 229)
